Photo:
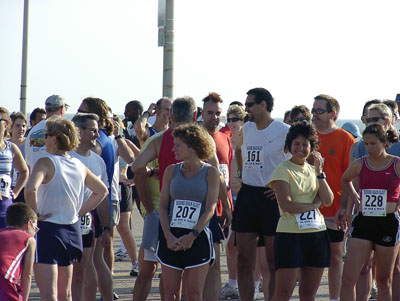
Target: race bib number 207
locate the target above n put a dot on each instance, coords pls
(185, 214)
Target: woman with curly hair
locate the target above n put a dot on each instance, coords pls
(55, 192)
(302, 248)
(188, 198)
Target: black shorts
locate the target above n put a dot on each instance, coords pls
(296, 250)
(88, 240)
(201, 252)
(216, 231)
(382, 230)
(98, 228)
(335, 235)
(254, 212)
(125, 204)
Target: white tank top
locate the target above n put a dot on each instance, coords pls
(262, 151)
(63, 195)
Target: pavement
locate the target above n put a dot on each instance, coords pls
(123, 282)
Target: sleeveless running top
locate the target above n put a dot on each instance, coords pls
(387, 178)
(166, 157)
(6, 159)
(63, 195)
(191, 189)
(14, 244)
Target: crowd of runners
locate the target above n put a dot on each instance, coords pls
(286, 199)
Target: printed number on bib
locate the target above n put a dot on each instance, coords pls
(309, 220)
(185, 214)
(254, 157)
(5, 185)
(86, 223)
(225, 172)
(374, 202)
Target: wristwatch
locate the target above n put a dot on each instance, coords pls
(195, 232)
(321, 176)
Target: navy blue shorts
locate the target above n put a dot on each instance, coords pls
(216, 231)
(58, 244)
(125, 203)
(381, 230)
(297, 250)
(254, 212)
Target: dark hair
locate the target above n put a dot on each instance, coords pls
(304, 129)
(385, 136)
(80, 119)
(287, 114)
(214, 97)
(300, 109)
(196, 137)
(391, 104)
(100, 108)
(161, 100)
(18, 214)
(368, 104)
(238, 103)
(261, 94)
(36, 111)
(136, 105)
(332, 105)
(183, 108)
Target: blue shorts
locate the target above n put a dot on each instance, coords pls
(4, 204)
(58, 244)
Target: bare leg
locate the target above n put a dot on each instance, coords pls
(103, 272)
(396, 279)
(310, 279)
(285, 283)
(90, 281)
(143, 281)
(213, 280)
(64, 283)
(109, 251)
(46, 276)
(264, 270)
(364, 282)
(269, 252)
(125, 232)
(195, 279)
(385, 258)
(172, 281)
(335, 269)
(79, 272)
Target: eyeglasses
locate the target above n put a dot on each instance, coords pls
(93, 130)
(373, 119)
(318, 111)
(250, 104)
(82, 111)
(234, 119)
(35, 227)
(300, 119)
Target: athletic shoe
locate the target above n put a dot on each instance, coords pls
(228, 292)
(135, 269)
(115, 296)
(121, 256)
(374, 293)
(257, 294)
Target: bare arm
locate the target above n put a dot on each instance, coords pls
(99, 192)
(133, 147)
(125, 151)
(146, 156)
(347, 185)
(140, 126)
(324, 192)
(27, 264)
(23, 172)
(238, 152)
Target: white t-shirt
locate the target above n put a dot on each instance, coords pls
(96, 165)
(35, 147)
(262, 151)
(115, 179)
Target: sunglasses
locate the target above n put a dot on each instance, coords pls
(250, 104)
(82, 111)
(318, 111)
(234, 119)
(300, 119)
(373, 119)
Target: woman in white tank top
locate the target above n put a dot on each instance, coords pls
(55, 192)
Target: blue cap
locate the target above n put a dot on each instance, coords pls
(352, 128)
(397, 98)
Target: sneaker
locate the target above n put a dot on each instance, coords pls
(115, 296)
(135, 269)
(374, 293)
(257, 294)
(121, 256)
(228, 292)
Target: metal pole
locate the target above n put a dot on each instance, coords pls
(24, 59)
(168, 63)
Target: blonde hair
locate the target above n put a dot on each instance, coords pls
(65, 132)
(237, 111)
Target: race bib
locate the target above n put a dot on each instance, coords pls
(254, 157)
(86, 223)
(5, 186)
(309, 220)
(374, 202)
(225, 172)
(185, 214)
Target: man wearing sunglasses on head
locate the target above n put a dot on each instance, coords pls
(256, 213)
(335, 145)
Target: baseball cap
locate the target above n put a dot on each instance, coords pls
(55, 101)
(352, 128)
(397, 98)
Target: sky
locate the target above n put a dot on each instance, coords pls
(295, 49)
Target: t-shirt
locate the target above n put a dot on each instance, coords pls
(303, 189)
(96, 165)
(35, 147)
(262, 150)
(335, 149)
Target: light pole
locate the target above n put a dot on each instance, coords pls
(168, 58)
(24, 58)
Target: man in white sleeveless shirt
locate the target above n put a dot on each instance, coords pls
(256, 213)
